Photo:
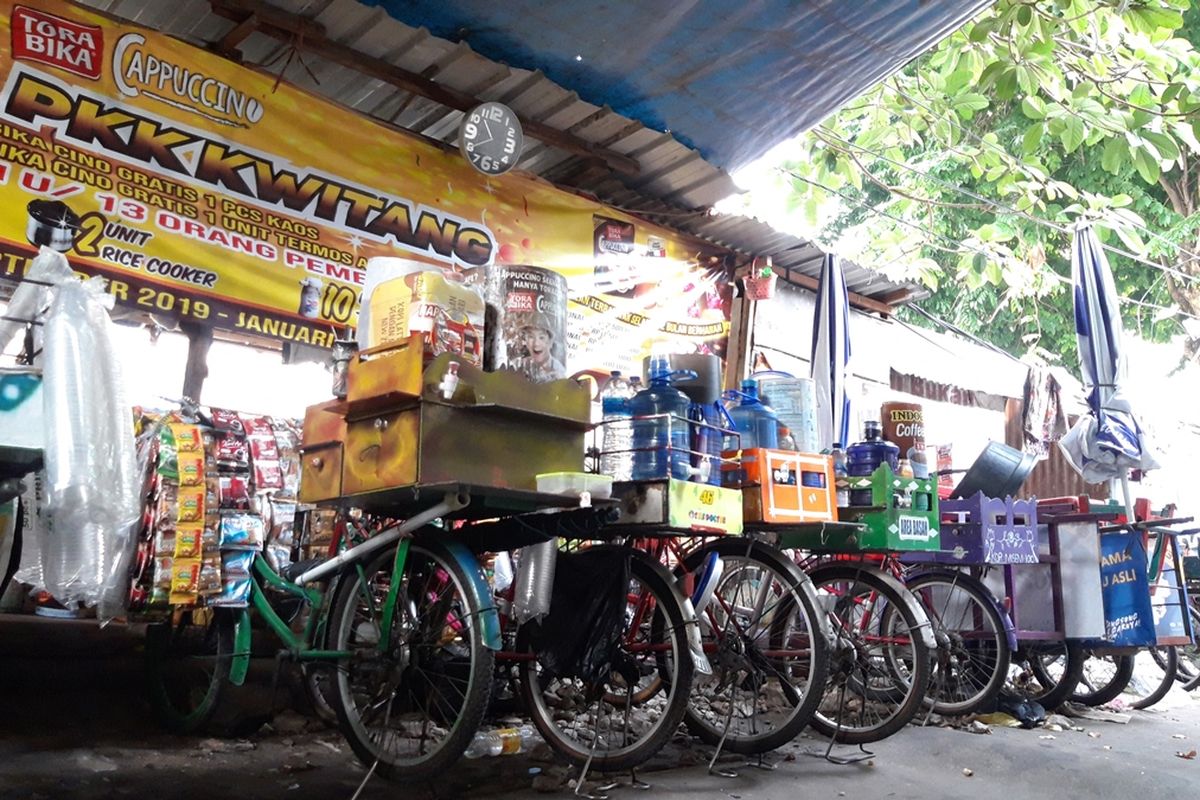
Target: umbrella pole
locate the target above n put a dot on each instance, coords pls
(1128, 501)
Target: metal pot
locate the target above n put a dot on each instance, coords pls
(999, 471)
(52, 224)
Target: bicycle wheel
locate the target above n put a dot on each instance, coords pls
(1102, 679)
(410, 711)
(320, 688)
(879, 663)
(1153, 676)
(187, 667)
(1046, 672)
(1189, 656)
(971, 661)
(615, 723)
(768, 648)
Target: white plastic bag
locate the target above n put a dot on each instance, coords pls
(92, 482)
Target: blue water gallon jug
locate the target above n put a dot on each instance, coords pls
(863, 458)
(757, 423)
(660, 427)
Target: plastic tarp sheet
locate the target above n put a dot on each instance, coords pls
(731, 80)
(580, 637)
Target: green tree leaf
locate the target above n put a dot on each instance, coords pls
(1073, 134)
(1033, 107)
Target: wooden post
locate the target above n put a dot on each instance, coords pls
(741, 341)
(200, 339)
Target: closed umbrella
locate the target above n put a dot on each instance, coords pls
(1107, 442)
(831, 354)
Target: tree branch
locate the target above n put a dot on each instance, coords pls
(929, 201)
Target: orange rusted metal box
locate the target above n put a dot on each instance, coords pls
(783, 486)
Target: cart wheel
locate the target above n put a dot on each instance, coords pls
(187, 665)
(1153, 676)
(598, 724)
(971, 662)
(763, 633)
(412, 711)
(1046, 672)
(14, 555)
(1189, 656)
(1102, 679)
(879, 665)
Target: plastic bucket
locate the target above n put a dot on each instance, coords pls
(999, 471)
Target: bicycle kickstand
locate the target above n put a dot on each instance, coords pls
(587, 765)
(713, 769)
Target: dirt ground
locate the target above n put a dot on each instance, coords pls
(74, 724)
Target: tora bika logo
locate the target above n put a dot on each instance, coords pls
(58, 42)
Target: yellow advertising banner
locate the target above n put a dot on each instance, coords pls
(212, 192)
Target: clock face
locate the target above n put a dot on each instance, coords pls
(490, 138)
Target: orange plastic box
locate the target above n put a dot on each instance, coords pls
(783, 486)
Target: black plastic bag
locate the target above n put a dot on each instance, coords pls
(581, 636)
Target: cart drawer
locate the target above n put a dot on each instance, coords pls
(323, 424)
(382, 452)
(321, 473)
(385, 377)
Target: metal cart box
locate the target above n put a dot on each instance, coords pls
(785, 486)
(495, 429)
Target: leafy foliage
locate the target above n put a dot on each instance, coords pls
(966, 171)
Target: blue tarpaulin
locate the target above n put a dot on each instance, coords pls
(729, 79)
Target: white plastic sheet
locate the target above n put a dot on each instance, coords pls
(92, 482)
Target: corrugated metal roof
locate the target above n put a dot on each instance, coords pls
(731, 79)
(675, 186)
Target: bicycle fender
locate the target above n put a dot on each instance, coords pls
(240, 664)
(691, 624)
(1010, 630)
(478, 586)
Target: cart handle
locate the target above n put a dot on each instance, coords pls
(1155, 525)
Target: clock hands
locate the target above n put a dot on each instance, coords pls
(489, 131)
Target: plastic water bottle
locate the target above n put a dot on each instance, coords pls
(660, 428)
(705, 419)
(616, 458)
(757, 423)
(502, 742)
(840, 474)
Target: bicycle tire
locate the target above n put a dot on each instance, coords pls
(1111, 689)
(1192, 652)
(1055, 691)
(1164, 685)
(671, 622)
(14, 555)
(948, 661)
(428, 565)
(187, 669)
(798, 598)
(843, 662)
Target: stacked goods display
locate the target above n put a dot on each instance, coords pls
(223, 487)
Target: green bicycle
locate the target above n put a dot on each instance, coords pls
(405, 621)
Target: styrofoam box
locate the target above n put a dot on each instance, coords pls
(575, 484)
